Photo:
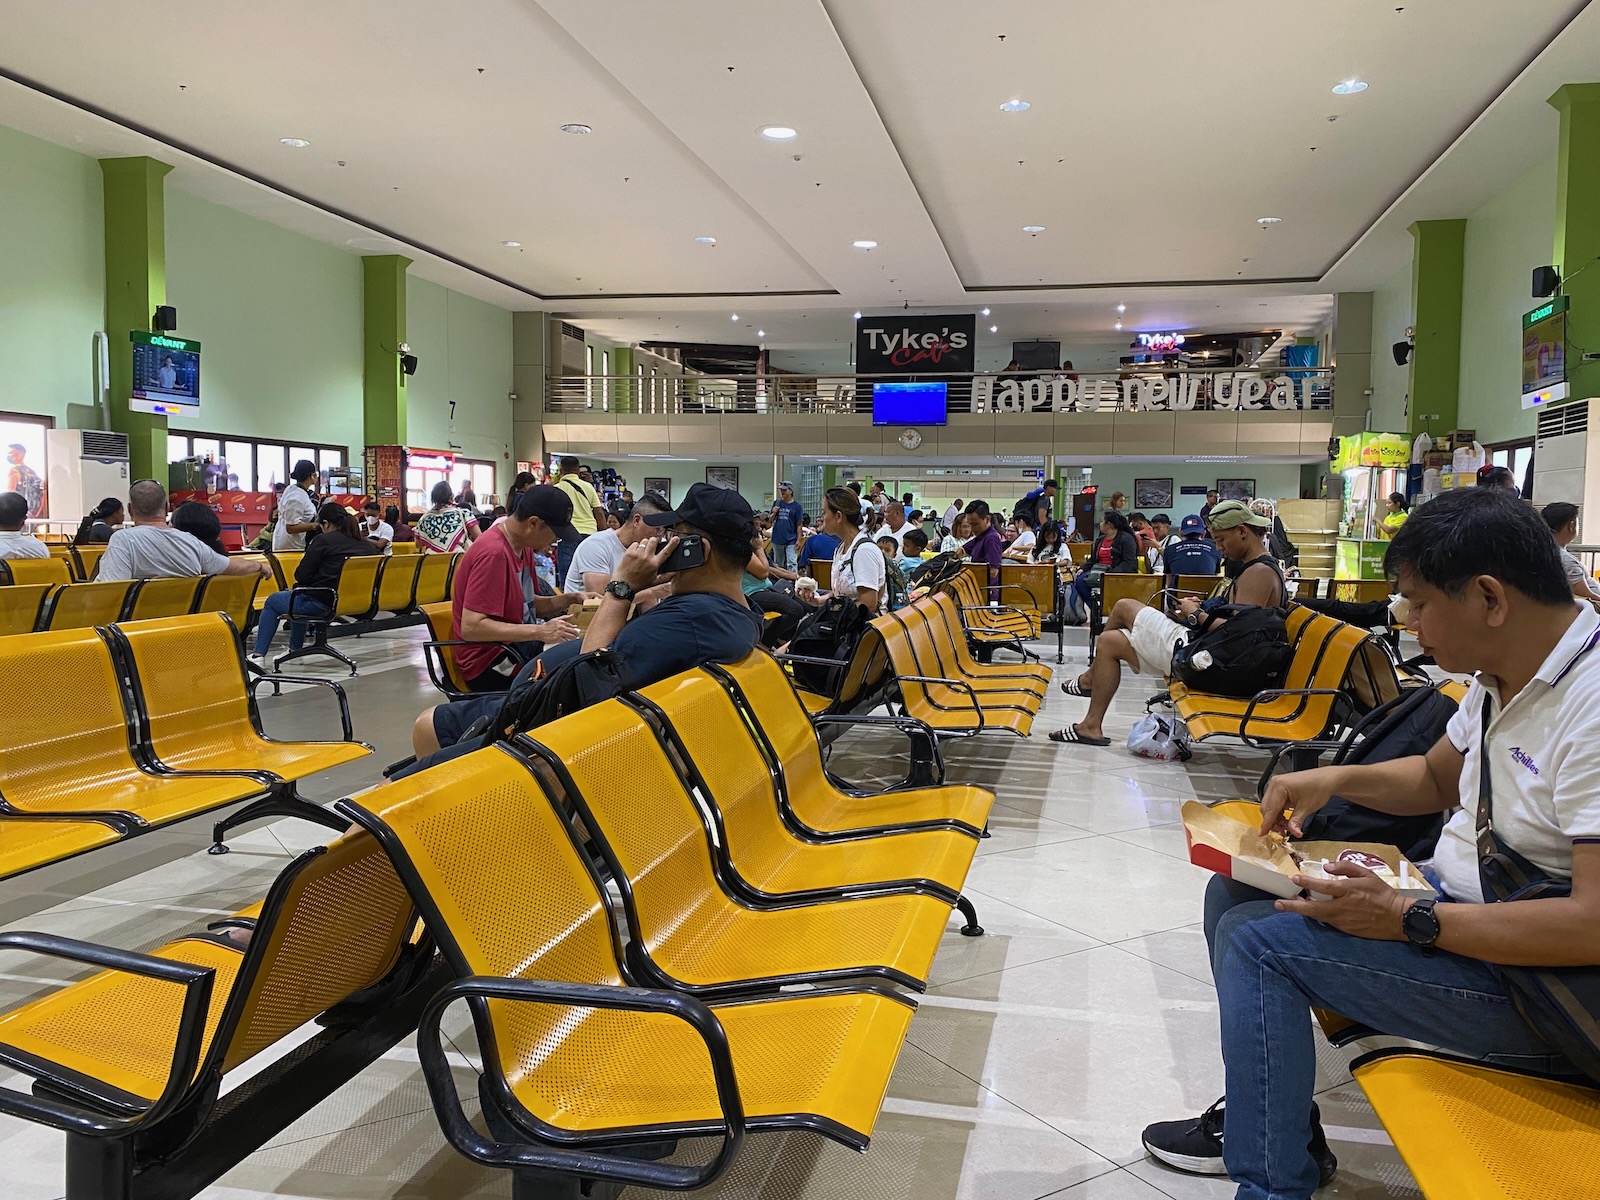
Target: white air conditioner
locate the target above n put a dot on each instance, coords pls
(86, 466)
(568, 350)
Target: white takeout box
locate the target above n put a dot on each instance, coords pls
(1221, 842)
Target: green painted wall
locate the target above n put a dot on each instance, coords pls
(1278, 480)
(279, 320)
(1506, 239)
(755, 479)
(1391, 313)
(52, 277)
(463, 348)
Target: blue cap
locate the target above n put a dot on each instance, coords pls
(1191, 525)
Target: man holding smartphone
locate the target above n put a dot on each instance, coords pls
(706, 619)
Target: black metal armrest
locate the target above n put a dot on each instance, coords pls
(912, 727)
(344, 701)
(809, 658)
(1339, 697)
(588, 1163)
(972, 695)
(316, 596)
(196, 982)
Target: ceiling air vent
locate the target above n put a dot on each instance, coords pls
(103, 444)
(1564, 419)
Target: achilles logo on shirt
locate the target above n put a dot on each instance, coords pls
(1521, 757)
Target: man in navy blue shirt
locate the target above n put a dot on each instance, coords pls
(819, 547)
(1193, 554)
(786, 514)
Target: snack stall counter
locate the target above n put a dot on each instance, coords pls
(1372, 466)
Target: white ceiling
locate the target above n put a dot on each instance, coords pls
(1158, 133)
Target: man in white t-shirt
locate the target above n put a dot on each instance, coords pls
(14, 541)
(597, 558)
(297, 511)
(1021, 548)
(1487, 595)
(375, 529)
(152, 549)
(894, 524)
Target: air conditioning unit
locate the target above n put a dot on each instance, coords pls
(568, 350)
(1566, 458)
(85, 467)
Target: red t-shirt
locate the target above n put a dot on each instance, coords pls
(1103, 554)
(489, 580)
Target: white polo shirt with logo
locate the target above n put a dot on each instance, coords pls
(1544, 764)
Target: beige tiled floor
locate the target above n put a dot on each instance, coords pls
(1038, 1053)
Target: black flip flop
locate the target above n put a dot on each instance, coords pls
(1072, 688)
(1071, 734)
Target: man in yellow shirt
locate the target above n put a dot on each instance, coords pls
(587, 515)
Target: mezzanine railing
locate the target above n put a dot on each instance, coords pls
(1130, 389)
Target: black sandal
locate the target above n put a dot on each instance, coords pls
(1071, 734)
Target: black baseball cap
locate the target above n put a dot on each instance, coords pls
(715, 510)
(551, 505)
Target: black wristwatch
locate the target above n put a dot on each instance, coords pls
(620, 589)
(1421, 925)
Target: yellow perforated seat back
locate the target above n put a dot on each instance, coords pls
(81, 605)
(432, 575)
(39, 570)
(20, 606)
(441, 628)
(164, 598)
(399, 581)
(230, 594)
(358, 585)
(87, 561)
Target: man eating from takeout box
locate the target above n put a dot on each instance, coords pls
(1487, 595)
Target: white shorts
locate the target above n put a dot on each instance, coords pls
(1154, 638)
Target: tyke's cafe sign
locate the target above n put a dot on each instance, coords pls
(1243, 390)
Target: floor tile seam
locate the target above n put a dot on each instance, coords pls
(933, 988)
(999, 803)
(427, 1107)
(970, 892)
(1123, 946)
(1115, 1168)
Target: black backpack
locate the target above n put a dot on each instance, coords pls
(1248, 652)
(830, 632)
(937, 571)
(1409, 724)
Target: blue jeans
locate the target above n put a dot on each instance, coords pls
(273, 610)
(1271, 968)
(564, 551)
(784, 556)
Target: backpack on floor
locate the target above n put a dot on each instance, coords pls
(1248, 652)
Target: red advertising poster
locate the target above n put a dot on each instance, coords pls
(233, 508)
(385, 472)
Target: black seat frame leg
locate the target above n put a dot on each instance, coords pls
(971, 928)
(281, 801)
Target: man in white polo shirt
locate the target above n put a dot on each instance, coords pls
(1487, 595)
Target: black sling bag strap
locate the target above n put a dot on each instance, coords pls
(1560, 1004)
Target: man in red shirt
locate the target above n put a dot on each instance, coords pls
(495, 592)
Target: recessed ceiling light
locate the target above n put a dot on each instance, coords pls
(297, 143)
(574, 127)
(761, 333)
(735, 317)
(858, 314)
(1264, 221)
(706, 241)
(1033, 229)
(865, 244)
(1349, 87)
(1015, 106)
(994, 329)
(777, 133)
(1118, 325)
(512, 245)
(986, 312)
(1122, 308)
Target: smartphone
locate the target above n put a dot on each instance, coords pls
(689, 553)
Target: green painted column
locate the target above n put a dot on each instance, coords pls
(1437, 266)
(383, 328)
(136, 284)
(622, 390)
(1578, 227)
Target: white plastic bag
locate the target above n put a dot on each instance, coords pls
(1165, 739)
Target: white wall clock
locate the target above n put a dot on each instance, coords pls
(910, 439)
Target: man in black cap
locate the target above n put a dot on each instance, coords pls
(705, 619)
(1038, 505)
(494, 595)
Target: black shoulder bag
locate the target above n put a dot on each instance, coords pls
(1560, 1004)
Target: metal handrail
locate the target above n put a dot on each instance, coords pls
(1147, 386)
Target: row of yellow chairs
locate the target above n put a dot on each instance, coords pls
(27, 607)
(155, 723)
(745, 872)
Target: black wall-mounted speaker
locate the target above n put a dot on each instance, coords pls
(408, 363)
(1546, 281)
(165, 319)
(1402, 353)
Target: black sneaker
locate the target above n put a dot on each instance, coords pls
(1195, 1146)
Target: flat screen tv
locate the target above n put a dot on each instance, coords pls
(1544, 352)
(908, 403)
(166, 374)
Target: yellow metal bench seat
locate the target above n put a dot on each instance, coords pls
(950, 706)
(191, 683)
(611, 767)
(934, 655)
(474, 839)
(1469, 1130)
(945, 624)
(333, 925)
(813, 703)
(26, 843)
(811, 797)
(742, 792)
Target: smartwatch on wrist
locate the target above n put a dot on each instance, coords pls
(1421, 925)
(620, 589)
